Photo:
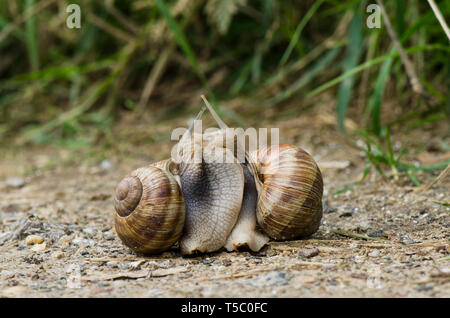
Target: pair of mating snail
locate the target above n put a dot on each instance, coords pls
(210, 204)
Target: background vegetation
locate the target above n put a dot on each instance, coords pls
(70, 86)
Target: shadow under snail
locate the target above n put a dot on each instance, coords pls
(207, 205)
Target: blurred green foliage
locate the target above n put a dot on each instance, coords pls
(57, 82)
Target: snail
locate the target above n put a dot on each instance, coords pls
(276, 193)
(207, 206)
(289, 188)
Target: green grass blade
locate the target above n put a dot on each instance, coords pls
(390, 149)
(244, 73)
(377, 96)
(31, 37)
(309, 75)
(58, 72)
(298, 31)
(437, 166)
(96, 92)
(371, 141)
(413, 178)
(181, 39)
(354, 49)
(400, 16)
(16, 32)
(345, 189)
(373, 62)
(446, 204)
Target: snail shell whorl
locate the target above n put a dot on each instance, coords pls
(150, 210)
(128, 195)
(290, 200)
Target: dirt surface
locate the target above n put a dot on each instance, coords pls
(66, 200)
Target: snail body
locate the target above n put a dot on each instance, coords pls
(213, 194)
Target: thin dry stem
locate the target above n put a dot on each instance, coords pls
(440, 18)
(440, 177)
(155, 74)
(354, 235)
(25, 16)
(414, 80)
(121, 17)
(102, 24)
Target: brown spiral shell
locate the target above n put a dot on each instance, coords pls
(290, 198)
(150, 210)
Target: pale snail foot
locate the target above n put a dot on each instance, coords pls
(244, 232)
(251, 238)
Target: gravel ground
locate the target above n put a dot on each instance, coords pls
(385, 238)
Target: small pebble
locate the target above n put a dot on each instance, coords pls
(364, 225)
(207, 261)
(425, 287)
(274, 278)
(58, 255)
(406, 240)
(166, 264)
(124, 265)
(308, 252)
(34, 239)
(109, 236)
(359, 275)
(442, 273)
(136, 264)
(376, 233)
(39, 247)
(374, 253)
(326, 208)
(89, 231)
(333, 282)
(359, 259)
(226, 262)
(441, 248)
(83, 242)
(15, 182)
(106, 165)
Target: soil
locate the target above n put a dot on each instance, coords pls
(393, 242)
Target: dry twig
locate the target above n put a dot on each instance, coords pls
(354, 235)
(25, 16)
(154, 76)
(440, 18)
(413, 79)
(109, 28)
(441, 176)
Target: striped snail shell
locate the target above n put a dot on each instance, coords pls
(290, 192)
(149, 209)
